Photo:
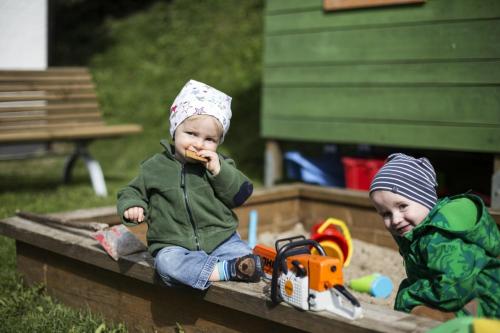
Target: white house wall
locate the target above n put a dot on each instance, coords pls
(23, 34)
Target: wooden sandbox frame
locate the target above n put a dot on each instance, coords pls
(77, 271)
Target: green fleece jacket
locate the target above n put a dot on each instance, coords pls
(451, 258)
(184, 204)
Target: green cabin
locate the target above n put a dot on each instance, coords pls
(421, 74)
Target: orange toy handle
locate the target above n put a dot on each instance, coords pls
(345, 231)
(267, 255)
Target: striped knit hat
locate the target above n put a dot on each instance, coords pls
(410, 177)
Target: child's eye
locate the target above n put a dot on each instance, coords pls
(386, 215)
(402, 207)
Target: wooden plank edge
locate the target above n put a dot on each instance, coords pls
(315, 321)
(70, 242)
(72, 134)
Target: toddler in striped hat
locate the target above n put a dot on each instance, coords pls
(404, 179)
(450, 246)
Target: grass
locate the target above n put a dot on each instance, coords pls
(140, 57)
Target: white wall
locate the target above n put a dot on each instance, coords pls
(23, 34)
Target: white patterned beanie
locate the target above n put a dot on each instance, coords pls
(413, 178)
(197, 98)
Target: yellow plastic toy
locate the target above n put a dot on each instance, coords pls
(335, 238)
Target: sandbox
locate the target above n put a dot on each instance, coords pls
(78, 272)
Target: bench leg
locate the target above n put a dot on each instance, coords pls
(93, 167)
(68, 166)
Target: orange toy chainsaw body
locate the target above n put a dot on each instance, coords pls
(308, 281)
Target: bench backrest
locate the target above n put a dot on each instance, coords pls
(47, 100)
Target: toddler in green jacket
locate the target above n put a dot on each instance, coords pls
(450, 246)
(187, 193)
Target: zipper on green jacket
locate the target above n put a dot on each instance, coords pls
(184, 190)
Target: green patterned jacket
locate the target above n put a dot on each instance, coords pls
(451, 258)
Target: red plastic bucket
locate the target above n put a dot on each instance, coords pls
(359, 172)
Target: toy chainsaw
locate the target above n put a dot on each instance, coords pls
(307, 281)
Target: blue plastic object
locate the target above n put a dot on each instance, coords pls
(252, 228)
(382, 287)
(326, 170)
(377, 285)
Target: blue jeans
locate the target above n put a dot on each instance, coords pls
(177, 265)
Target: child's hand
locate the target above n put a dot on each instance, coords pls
(425, 311)
(134, 214)
(213, 164)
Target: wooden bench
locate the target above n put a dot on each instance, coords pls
(56, 105)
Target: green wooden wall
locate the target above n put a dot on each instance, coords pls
(417, 76)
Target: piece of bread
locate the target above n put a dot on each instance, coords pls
(194, 156)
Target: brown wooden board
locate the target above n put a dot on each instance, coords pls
(143, 306)
(280, 207)
(70, 132)
(54, 108)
